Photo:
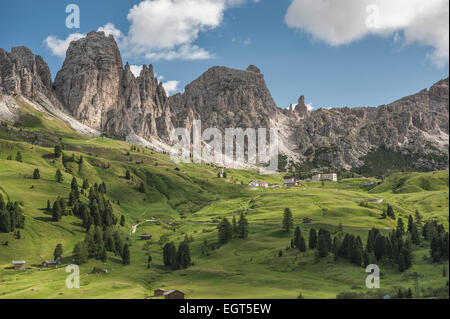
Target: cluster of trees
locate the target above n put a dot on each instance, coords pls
(177, 259)
(229, 231)
(298, 241)
(11, 216)
(99, 212)
(439, 245)
(98, 243)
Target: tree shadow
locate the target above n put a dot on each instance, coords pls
(44, 219)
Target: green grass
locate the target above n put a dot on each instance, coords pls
(191, 201)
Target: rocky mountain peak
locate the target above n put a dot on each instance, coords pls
(223, 97)
(253, 68)
(301, 109)
(23, 73)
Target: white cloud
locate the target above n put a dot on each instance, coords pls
(345, 21)
(171, 87)
(163, 29)
(59, 47)
(136, 70)
(167, 29)
(109, 29)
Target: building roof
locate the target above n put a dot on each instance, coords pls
(18, 262)
(168, 292)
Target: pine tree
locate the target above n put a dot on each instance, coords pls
(297, 237)
(58, 176)
(74, 184)
(56, 211)
(57, 151)
(80, 254)
(126, 255)
(322, 248)
(128, 175)
(400, 228)
(36, 174)
(183, 255)
(58, 251)
(242, 227)
(288, 222)
(122, 220)
(19, 157)
(169, 255)
(225, 231)
(312, 238)
(85, 184)
(390, 212)
(142, 188)
(235, 229)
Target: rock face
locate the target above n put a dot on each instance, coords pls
(415, 125)
(98, 91)
(95, 88)
(225, 98)
(23, 73)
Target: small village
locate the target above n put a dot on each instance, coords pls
(289, 181)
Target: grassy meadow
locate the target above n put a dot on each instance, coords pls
(189, 199)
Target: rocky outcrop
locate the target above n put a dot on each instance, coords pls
(225, 98)
(98, 91)
(415, 125)
(23, 73)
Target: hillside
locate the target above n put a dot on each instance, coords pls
(189, 199)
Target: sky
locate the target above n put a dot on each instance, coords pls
(335, 53)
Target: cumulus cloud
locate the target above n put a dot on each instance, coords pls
(167, 29)
(346, 21)
(58, 46)
(163, 29)
(171, 87)
(110, 29)
(184, 52)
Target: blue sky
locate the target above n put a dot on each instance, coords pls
(294, 43)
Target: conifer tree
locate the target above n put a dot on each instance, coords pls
(126, 255)
(58, 251)
(58, 176)
(225, 231)
(80, 254)
(312, 238)
(288, 222)
(36, 174)
(56, 211)
(242, 227)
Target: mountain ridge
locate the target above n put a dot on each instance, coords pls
(97, 90)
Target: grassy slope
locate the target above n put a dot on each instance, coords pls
(241, 269)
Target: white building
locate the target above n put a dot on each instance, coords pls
(332, 177)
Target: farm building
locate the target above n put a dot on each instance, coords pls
(290, 181)
(159, 292)
(146, 237)
(174, 294)
(332, 177)
(49, 263)
(19, 265)
(307, 220)
(258, 184)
